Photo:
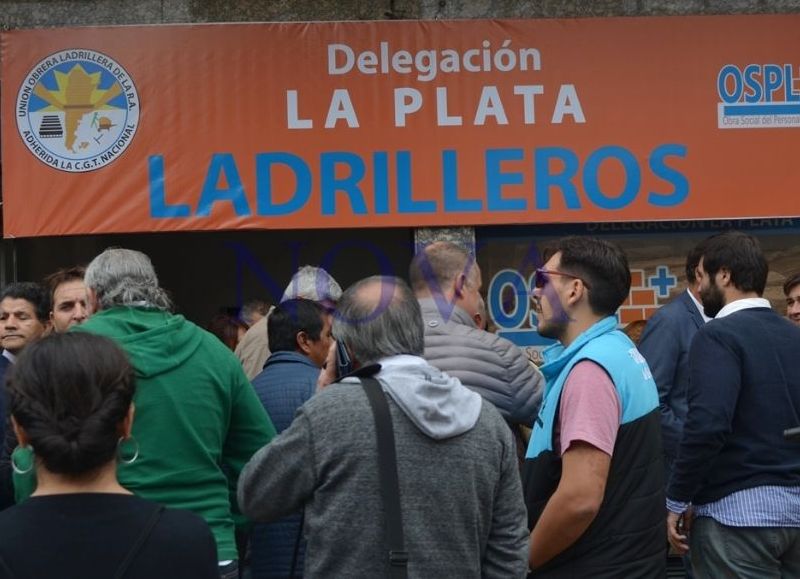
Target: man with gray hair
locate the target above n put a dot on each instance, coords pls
(447, 282)
(198, 420)
(309, 283)
(460, 494)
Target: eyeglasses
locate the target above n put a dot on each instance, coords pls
(540, 278)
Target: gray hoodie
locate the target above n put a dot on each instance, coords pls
(436, 403)
(460, 493)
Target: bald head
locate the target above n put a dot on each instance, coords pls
(437, 268)
(444, 270)
(379, 317)
(376, 292)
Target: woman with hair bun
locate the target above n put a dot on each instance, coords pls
(71, 408)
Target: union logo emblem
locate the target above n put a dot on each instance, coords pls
(77, 110)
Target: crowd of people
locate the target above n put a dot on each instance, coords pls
(382, 431)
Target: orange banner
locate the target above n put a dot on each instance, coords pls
(380, 124)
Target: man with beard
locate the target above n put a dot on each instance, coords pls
(593, 474)
(734, 465)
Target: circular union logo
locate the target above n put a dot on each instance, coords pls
(77, 110)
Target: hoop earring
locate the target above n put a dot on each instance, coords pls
(120, 454)
(25, 452)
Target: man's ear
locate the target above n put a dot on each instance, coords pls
(91, 301)
(459, 285)
(47, 326)
(697, 278)
(724, 277)
(576, 289)
(302, 341)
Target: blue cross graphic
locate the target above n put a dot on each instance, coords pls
(662, 281)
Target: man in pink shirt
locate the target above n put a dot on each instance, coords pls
(590, 410)
(593, 475)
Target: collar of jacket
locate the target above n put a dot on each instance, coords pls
(442, 309)
(557, 356)
(293, 357)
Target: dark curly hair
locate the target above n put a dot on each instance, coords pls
(740, 254)
(69, 393)
(32, 292)
(790, 283)
(601, 264)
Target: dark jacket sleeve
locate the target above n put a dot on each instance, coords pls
(660, 346)
(9, 441)
(6, 472)
(280, 469)
(716, 367)
(250, 428)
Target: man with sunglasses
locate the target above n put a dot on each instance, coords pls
(593, 476)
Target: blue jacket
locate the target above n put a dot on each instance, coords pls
(287, 381)
(617, 355)
(665, 345)
(626, 538)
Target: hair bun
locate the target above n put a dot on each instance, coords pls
(70, 393)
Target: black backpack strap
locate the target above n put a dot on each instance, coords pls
(389, 484)
(140, 541)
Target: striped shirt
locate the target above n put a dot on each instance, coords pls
(765, 506)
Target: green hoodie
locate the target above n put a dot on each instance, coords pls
(198, 420)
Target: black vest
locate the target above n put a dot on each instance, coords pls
(627, 539)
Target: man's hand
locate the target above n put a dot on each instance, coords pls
(678, 527)
(327, 374)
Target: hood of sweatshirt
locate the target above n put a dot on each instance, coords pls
(438, 404)
(156, 341)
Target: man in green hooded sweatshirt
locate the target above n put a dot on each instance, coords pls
(198, 420)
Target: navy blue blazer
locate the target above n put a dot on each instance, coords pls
(665, 344)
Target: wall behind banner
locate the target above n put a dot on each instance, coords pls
(26, 14)
(207, 271)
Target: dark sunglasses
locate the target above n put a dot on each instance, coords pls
(541, 279)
